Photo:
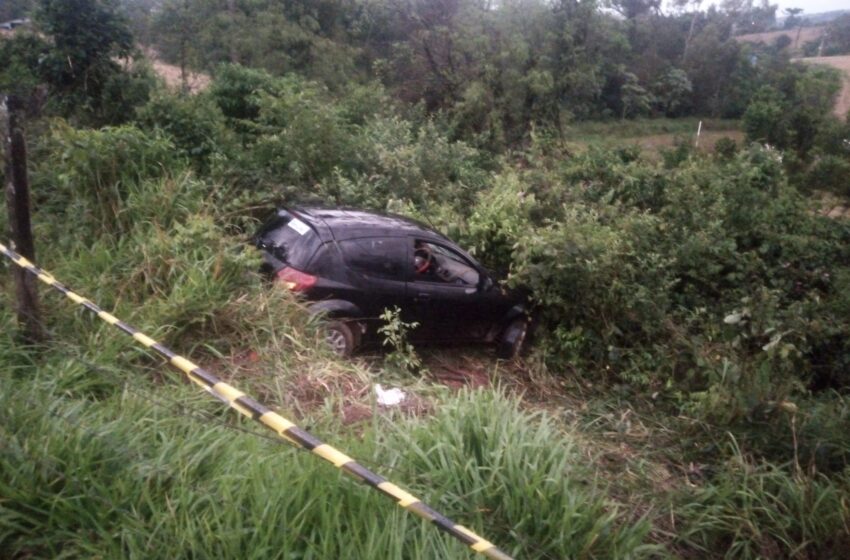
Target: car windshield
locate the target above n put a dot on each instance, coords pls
(288, 240)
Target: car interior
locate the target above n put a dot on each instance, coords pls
(435, 263)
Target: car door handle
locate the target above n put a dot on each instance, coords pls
(423, 297)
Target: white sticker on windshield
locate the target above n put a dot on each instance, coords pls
(298, 226)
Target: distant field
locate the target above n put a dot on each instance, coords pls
(798, 37)
(655, 134)
(842, 63)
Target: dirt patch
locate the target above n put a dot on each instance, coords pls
(842, 63)
(194, 81)
(459, 370)
(798, 37)
(832, 206)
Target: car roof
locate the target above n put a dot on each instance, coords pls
(345, 223)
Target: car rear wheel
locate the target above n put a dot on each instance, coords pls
(512, 339)
(341, 338)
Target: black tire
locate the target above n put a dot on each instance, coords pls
(512, 339)
(341, 338)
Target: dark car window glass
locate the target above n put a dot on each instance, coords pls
(436, 263)
(289, 241)
(325, 262)
(382, 257)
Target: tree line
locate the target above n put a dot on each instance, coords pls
(493, 71)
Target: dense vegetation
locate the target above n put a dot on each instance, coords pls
(693, 306)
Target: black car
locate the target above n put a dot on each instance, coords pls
(352, 265)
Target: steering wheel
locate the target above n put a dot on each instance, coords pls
(422, 259)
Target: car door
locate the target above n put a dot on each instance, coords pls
(445, 296)
(377, 268)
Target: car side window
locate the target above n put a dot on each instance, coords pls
(433, 262)
(381, 257)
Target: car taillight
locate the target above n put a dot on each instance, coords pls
(296, 280)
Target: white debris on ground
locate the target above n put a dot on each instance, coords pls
(390, 397)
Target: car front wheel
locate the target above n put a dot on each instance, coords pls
(341, 338)
(512, 339)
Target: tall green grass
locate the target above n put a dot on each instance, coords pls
(761, 510)
(132, 473)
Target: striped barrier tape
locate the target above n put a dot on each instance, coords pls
(284, 428)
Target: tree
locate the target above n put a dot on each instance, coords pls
(791, 19)
(712, 63)
(177, 26)
(765, 119)
(794, 21)
(87, 37)
(636, 100)
(673, 91)
(682, 4)
(19, 58)
(633, 9)
(837, 37)
(13, 9)
(746, 17)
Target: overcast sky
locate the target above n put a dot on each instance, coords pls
(812, 6)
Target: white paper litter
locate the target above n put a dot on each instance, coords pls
(390, 397)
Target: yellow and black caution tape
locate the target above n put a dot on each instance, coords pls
(283, 427)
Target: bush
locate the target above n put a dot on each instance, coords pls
(236, 91)
(303, 135)
(194, 124)
(123, 92)
(725, 148)
(500, 220)
(600, 284)
(19, 56)
(829, 173)
(90, 174)
(765, 118)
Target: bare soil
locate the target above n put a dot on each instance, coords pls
(832, 206)
(195, 82)
(171, 74)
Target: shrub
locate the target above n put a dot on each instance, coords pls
(829, 173)
(403, 357)
(678, 154)
(304, 136)
(194, 124)
(123, 92)
(236, 91)
(600, 284)
(725, 148)
(90, 173)
(500, 220)
(765, 118)
(19, 57)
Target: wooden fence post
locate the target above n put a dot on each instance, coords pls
(18, 208)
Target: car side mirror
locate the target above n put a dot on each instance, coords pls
(485, 284)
